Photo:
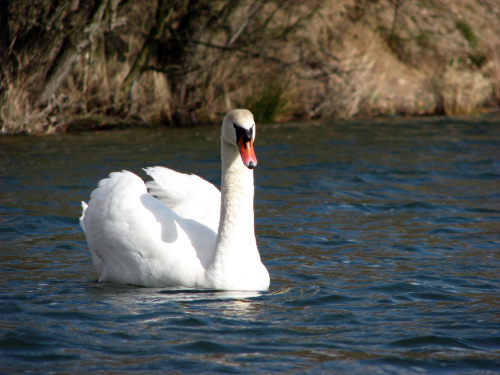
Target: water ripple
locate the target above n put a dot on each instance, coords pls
(381, 240)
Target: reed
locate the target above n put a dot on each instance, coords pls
(461, 91)
(17, 115)
(151, 64)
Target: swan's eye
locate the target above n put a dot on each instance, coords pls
(246, 134)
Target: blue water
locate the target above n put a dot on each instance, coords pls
(382, 239)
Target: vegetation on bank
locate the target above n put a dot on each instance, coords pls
(74, 64)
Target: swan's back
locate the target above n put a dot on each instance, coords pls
(188, 195)
(135, 238)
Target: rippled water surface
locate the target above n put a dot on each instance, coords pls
(382, 240)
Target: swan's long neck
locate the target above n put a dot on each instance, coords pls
(236, 236)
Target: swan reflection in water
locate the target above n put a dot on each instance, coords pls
(128, 300)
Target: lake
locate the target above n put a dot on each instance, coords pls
(382, 239)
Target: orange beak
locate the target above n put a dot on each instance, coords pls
(247, 153)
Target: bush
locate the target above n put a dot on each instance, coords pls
(467, 32)
(460, 91)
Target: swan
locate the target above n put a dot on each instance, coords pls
(179, 230)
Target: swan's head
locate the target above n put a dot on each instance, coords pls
(238, 129)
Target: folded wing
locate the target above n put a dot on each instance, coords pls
(188, 195)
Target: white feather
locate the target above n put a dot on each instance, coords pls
(188, 196)
(170, 235)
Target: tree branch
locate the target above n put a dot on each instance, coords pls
(71, 52)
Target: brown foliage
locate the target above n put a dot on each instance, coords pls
(106, 62)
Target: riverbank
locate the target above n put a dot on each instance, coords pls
(145, 65)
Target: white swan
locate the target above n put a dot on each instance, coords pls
(184, 232)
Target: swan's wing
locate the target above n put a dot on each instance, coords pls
(189, 196)
(136, 239)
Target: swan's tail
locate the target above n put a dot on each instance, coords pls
(84, 208)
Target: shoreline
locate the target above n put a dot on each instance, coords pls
(483, 115)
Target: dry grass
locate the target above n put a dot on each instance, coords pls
(352, 58)
(17, 114)
(492, 72)
(462, 91)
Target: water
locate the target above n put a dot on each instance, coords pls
(381, 238)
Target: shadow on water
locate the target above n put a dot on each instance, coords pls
(381, 239)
